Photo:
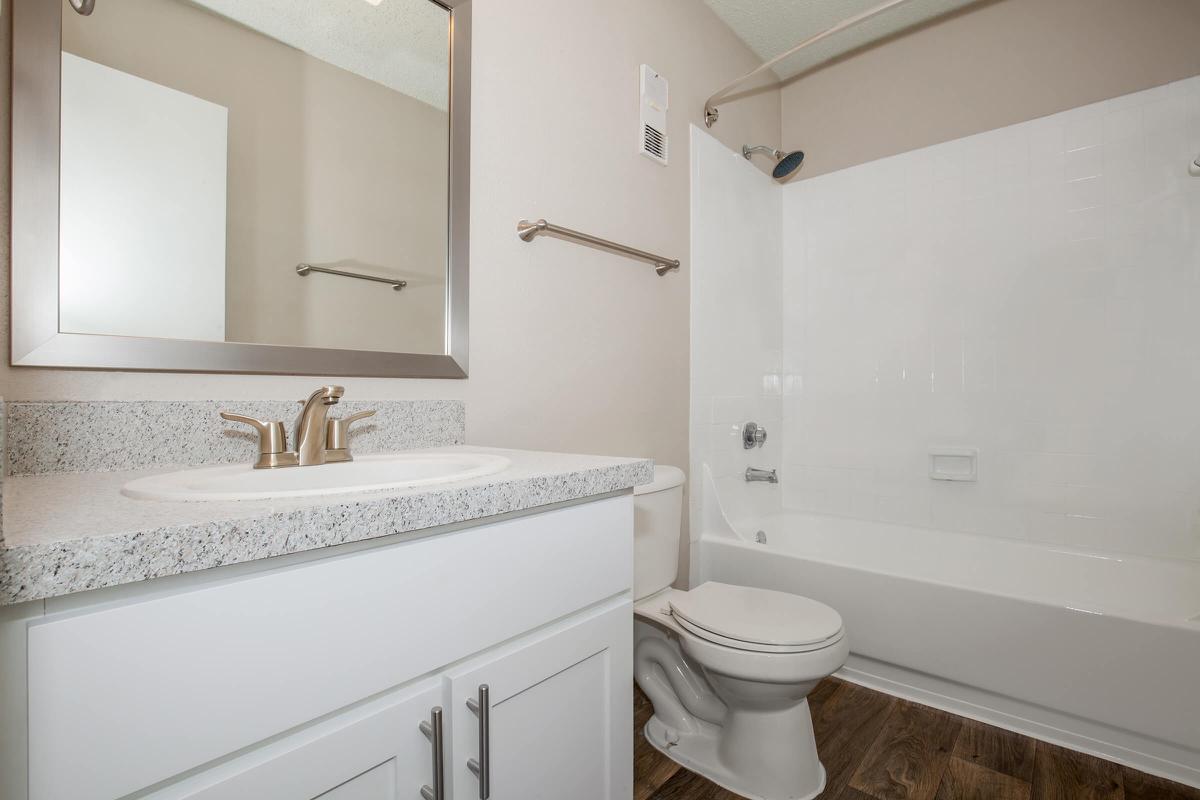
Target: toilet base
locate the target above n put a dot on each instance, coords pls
(698, 752)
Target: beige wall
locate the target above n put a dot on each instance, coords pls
(994, 64)
(571, 349)
(325, 167)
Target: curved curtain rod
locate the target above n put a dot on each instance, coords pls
(710, 105)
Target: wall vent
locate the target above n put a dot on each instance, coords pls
(654, 143)
(654, 104)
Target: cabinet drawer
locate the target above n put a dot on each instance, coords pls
(124, 697)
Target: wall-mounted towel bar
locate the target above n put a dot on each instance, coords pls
(304, 269)
(528, 230)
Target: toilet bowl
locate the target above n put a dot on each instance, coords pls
(728, 668)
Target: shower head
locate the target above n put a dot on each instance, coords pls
(788, 162)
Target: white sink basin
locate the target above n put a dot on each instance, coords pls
(365, 473)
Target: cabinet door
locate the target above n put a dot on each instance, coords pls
(377, 751)
(556, 720)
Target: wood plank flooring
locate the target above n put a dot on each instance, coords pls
(878, 747)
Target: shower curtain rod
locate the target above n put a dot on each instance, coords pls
(710, 106)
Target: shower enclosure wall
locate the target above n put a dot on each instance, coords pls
(1022, 303)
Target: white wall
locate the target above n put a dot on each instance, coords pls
(1031, 291)
(992, 64)
(572, 349)
(144, 255)
(736, 327)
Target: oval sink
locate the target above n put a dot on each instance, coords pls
(364, 474)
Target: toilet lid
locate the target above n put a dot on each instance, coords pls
(756, 616)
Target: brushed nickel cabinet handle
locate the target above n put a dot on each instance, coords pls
(433, 729)
(482, 768)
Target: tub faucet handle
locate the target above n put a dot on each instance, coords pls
(753, 435)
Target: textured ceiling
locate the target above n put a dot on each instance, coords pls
(771, 27)
(402, 44)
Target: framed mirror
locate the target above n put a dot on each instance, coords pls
(260, 186)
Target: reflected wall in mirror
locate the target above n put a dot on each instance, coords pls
(272, 173)
(209, 147)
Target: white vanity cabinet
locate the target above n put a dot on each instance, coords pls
(312, 679)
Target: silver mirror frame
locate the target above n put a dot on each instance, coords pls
(34, 319)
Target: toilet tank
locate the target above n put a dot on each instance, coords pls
(658, 516)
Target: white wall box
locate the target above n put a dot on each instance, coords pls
(313, 679)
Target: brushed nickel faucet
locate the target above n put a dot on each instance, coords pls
(311, 425)
(317, 438)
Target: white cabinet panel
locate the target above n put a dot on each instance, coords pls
(559, 716)
(375, 752)
(375, 784)
(132, 695)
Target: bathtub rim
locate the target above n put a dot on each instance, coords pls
(1188, 621)
(1141, 751)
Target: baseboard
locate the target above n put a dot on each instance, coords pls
(1113, 744)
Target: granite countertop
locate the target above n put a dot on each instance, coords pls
(71, 532)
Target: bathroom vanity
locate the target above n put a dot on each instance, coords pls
(463, 640)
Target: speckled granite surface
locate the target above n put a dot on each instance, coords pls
(72, 532)
(108, 436)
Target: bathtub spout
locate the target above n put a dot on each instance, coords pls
(688, 694)
(766, 475)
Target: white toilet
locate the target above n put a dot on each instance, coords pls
(727, 668)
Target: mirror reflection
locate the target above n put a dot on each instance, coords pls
(213, 151)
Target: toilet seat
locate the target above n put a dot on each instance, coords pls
(752, 647)
(756, 620)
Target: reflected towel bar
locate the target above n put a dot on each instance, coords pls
(528, 230)
(304, 269)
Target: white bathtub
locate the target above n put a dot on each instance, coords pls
(1097, 652)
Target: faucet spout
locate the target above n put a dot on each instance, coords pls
(765, 475)
(311, 425)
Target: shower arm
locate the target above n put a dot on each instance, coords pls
(710, 106)
(748, 151)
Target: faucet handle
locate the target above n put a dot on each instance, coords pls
(337, 436)
(272, 441)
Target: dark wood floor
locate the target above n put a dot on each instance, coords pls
(878, 747)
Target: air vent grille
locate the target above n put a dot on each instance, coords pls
(654, 143)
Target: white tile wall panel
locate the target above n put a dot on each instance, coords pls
(1031, 291)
